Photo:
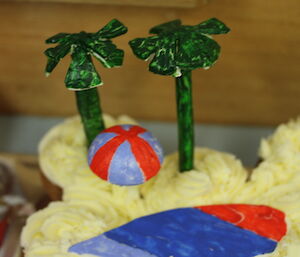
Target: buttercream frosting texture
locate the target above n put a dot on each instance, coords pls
(92, 206)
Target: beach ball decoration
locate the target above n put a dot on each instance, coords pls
(125, 155)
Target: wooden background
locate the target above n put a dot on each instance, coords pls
(155, 3)
(256, 80)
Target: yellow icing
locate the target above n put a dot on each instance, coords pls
(92, 206)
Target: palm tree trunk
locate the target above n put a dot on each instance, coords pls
(88, 104)
(185, 121)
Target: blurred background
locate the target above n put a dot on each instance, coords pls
(253, 87)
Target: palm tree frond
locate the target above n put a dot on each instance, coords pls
(112, 29)
(197, 53)
(165, 27)
(107, 53)
(164, 60)
(82, 74)
(179, 47)
(58, 52)
(55, 54)
(144, 47)
(51, 64)
(112, 59)
(212, 26)
(58, 38)
(115, 59)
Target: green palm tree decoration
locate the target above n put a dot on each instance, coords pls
(82, 76)
(176, 50)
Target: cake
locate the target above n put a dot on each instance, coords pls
(92, 206)
(204, 184)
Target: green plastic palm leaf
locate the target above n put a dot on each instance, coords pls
(82, 73)
(55, 55)
(166, 27)
(97, 44)
(212, 27)
(176, 50)
(164, 59)
(180, 47)
(144, 48)
(191, 56)
(107, 53)
(82, 76)
(112, 29)
(58, 38)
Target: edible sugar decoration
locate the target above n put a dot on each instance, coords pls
(125, 155)
(82, 73)
(82, 76)
(177, 47)
(233, 230)
(263, 220)
(176, 50)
